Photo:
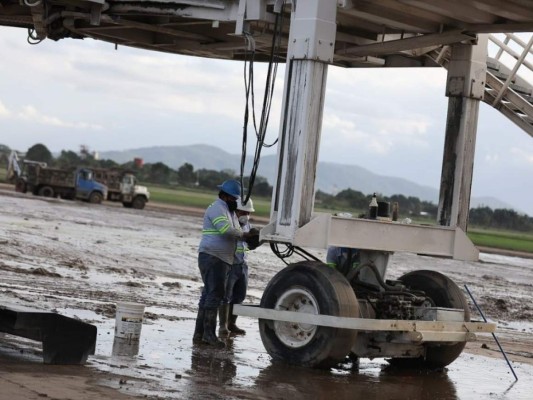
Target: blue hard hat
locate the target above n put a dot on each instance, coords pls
(231, 187)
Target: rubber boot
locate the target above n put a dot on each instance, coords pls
(210, 325)
(199, 328)
(223, 320)
(231, 323)
(355, 361)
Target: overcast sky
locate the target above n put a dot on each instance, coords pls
(391, 121)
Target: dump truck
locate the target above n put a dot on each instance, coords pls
(122, 186)
(68, 183)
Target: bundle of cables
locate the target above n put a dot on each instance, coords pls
(289, 251)
(260, 131)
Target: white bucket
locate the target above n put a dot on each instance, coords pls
(124, 347)
(129, 320)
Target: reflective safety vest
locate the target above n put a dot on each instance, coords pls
(342, 258)
(220, 232)
(242, 247)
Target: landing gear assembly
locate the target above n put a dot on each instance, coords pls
(315, 317)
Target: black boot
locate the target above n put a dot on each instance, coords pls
(199, 328)
(210, 325)
(231, 323)
(223, 320)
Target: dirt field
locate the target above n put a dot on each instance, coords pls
(80, 260)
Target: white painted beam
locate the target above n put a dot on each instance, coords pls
(433, 329)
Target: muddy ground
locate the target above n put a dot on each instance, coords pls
(80, 260)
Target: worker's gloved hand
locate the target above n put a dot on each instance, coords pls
(251, 233)
(252, 238)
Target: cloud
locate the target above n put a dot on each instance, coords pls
(167, 84)
(30, 113)
(522, 156)
(4, 112)
(130, 79)
(377, 135)
(411, 127)
(394, 81)
(492, 158)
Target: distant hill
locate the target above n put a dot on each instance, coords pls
(200, 156)
(331, 177)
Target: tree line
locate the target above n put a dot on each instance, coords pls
(356, 201)
(348, 200)
(484, 217)
(155, 173)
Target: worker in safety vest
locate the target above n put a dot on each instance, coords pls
(220, 233)
(342, 258)
(238, 276)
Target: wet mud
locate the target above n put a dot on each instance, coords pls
(81, 260)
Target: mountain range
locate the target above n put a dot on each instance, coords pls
(331, 177)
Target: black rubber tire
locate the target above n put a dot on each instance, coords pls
(127, 205)
(444, 293)
(46, 191)
(334, 296)
(96, 198)
(138, 202)
(20, 185)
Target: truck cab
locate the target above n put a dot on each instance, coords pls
(133, 195)
(122, 186)
(89, 189)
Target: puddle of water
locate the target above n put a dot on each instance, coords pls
(521, 326)
(171, 367)
(506, 260)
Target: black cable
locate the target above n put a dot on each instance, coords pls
(307, 254)
(281, 255)
(248, 85)
(290, 250)
(267, 103)
(493, 335)
(271, 78)
(33, 38)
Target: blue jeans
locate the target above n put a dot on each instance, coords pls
(214, 273)
(237, 284)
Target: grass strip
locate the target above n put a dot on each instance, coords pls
(502, 240)
(199, 198)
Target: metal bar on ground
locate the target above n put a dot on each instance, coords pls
(493, 334)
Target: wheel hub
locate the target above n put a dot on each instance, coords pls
(293, 334)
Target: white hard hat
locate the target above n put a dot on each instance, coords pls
(249, 206)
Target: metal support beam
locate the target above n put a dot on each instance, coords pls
(311, 46)
(96, 11)
(410, 43)
(421, 330)
(467, 72)
(325, 229)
